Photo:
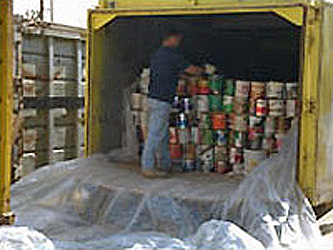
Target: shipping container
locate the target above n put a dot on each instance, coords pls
(49, 80)
(287, 41)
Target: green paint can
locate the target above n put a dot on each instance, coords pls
(207, 137)
(216, 84)
(228, 104)
(215, 102)
(229, 87)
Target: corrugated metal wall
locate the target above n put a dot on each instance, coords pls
(49, 81)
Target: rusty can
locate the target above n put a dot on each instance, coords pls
(190, 152)
(222, 167)
(218, 120)
(173, 135)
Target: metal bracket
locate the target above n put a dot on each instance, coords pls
(7, 219)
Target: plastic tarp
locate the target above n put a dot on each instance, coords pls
(99, 203)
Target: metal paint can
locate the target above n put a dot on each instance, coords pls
(221, 137)
(195, 135)
(189, 165)
(242, 88)
(276, 107)
(235, 156)
(173, 135)
(275, 90)
(218, 121)
(220, 153)
(255, 139)
(215, 102)
(215, 83)
(202, 103)
(206, 137)
(190, 152)
(252, 158)
(257, 90)
(239, 139)
(184, 136)
(229, 87)
(241, 105)
(204, 121)
(291, 108)
(291, 89)
(257, 123)
(228, 104)
(136, 101)
(222, 167)
(175, 151)
(270, 125)
(240, 123)
(261, 107)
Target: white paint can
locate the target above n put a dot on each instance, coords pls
(276, 107)
(242, 88)
(291, 108)
(275, 90)
(291, 90)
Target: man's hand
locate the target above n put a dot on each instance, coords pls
(193, 70)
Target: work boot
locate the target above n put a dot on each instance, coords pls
(155, 174)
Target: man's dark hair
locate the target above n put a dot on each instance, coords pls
(172, 32)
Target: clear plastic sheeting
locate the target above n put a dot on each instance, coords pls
(22, 238)
(100, 203)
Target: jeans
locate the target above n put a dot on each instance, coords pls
(157, 141)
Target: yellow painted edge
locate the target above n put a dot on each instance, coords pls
(309, 118)
(6, 104)
(293, 14)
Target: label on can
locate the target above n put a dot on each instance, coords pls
(202, 103)
(292, 90)
(173, 136)
(195, 135)
(239, 139)
(215, 102)
(256, 123)
(218, 121)
(229, 87)
(204, 121)
(291, 108)
(207, 166)
(239, 123)
(175, 151)
(221, 137)
(221, 153)
(228, 104)
(261, 107)
(242, 88)
(257, 90)
(206, 137)
(276, 108)
(235, 156)
(183, 136)
(275, 90)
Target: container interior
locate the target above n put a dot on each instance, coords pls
(249, 46)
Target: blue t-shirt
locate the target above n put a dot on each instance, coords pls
(165, 66)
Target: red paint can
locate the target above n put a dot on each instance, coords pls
(219, 121)
(261, 107)
(176, 151)
(173, 135)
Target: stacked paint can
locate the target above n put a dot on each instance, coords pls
(222, 125)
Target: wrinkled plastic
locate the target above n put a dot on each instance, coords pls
(22, 238)
(98, 202)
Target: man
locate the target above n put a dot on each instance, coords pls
(166, 65)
